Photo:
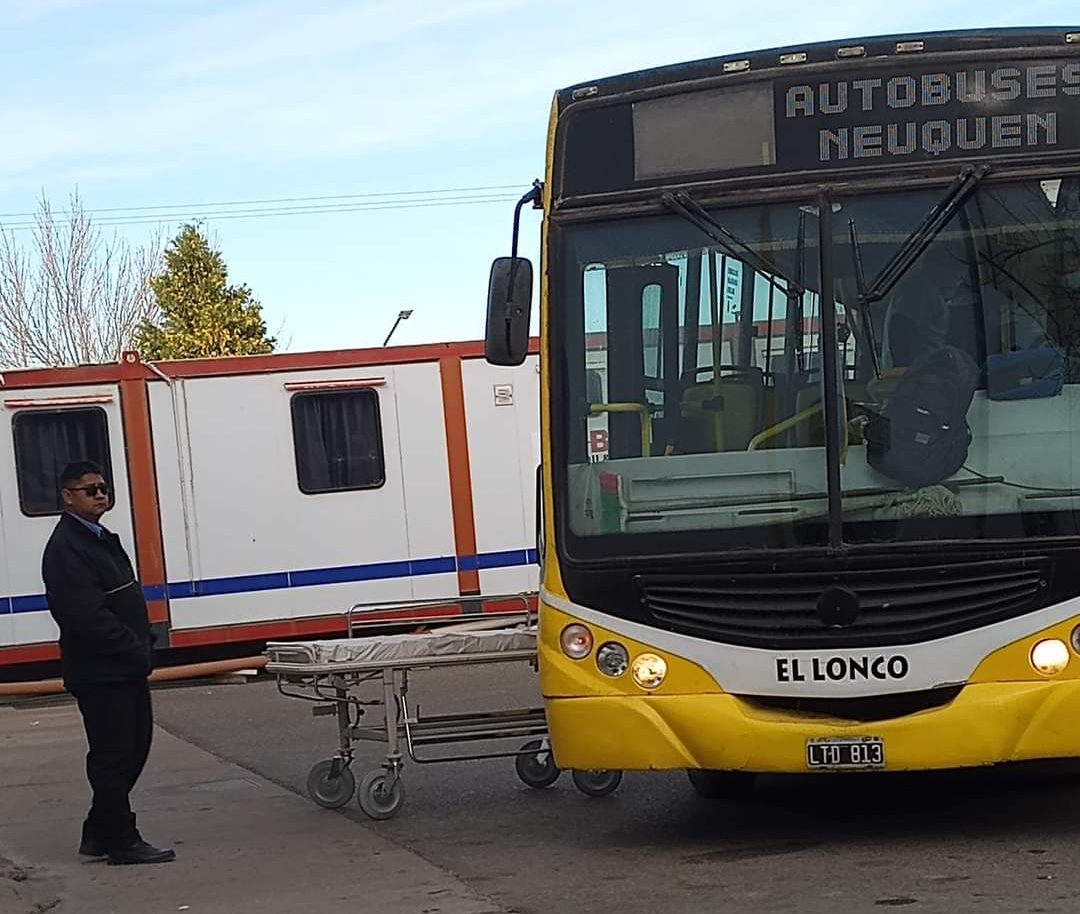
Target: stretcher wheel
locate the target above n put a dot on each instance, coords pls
(596, 783)
(327, 789)
(721, 785)
(376, 798)
(536, 766)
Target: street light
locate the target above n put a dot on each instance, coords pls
(402, 316)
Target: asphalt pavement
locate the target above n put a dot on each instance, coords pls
(227, 778)
(993, 840)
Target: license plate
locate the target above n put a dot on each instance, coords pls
(868, 752)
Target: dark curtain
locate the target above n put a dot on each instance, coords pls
(338, 441)
(45, 442)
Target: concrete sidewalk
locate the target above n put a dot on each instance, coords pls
(244, 845)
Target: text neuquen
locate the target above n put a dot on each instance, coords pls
(929, 129)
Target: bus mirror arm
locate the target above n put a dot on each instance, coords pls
(506, 336)
(534, 196)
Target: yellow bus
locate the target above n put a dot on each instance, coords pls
(810, 345)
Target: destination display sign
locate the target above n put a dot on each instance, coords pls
(905, 112)
(927, 113)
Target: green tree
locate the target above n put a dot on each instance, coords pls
(201, 314)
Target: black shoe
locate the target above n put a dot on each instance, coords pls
(140, 852)
(91, 847)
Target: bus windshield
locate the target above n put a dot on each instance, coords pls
(693, 379)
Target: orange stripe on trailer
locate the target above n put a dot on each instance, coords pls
(142, 480)
(335, 625)
(295, 628)
(457, 455)
(258, 631)
(29, 653)
(285, 628)
(508, 607)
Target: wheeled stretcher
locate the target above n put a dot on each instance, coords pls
(348, 677)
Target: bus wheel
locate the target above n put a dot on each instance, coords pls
(721, 785)
(596, 783)
(536, 765)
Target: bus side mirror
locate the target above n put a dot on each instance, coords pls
(506, 339)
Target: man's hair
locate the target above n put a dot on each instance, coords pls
(76, 470)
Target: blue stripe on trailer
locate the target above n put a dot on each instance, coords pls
(30, 604)
(511, 559)
(310, 577)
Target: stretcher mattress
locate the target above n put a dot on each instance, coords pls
(405, 649)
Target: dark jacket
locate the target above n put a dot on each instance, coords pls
(98, 603)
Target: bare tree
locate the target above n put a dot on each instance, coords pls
(67, 295)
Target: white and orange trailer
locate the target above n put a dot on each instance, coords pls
(263, 496)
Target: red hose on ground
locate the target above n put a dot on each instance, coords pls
(163, 674)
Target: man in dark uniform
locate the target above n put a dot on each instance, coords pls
(105, 658)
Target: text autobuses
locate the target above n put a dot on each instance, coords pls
(930, 114)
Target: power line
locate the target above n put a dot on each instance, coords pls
(278, 200)
(275, 212)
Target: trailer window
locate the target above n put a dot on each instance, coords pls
(45, 442)
(338, 441)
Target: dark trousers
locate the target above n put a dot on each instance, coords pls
(119, 726)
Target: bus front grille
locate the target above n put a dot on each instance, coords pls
(896, 604)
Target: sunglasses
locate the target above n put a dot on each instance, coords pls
(96, 489)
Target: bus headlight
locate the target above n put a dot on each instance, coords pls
(1075, 638)
(1050, 657)
(576, 641)
(612, 659)
(649, 670)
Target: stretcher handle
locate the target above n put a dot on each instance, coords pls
(392, 606)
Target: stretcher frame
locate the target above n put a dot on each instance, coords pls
(346, 689)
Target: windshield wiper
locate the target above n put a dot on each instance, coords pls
(909, 251)
(793, 289)
(692, 211)
(919, 240)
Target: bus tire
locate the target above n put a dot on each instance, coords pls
(721, 785)
(596, 783)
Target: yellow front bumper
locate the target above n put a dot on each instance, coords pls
(985, 724)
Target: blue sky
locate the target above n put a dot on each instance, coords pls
(156, 102)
